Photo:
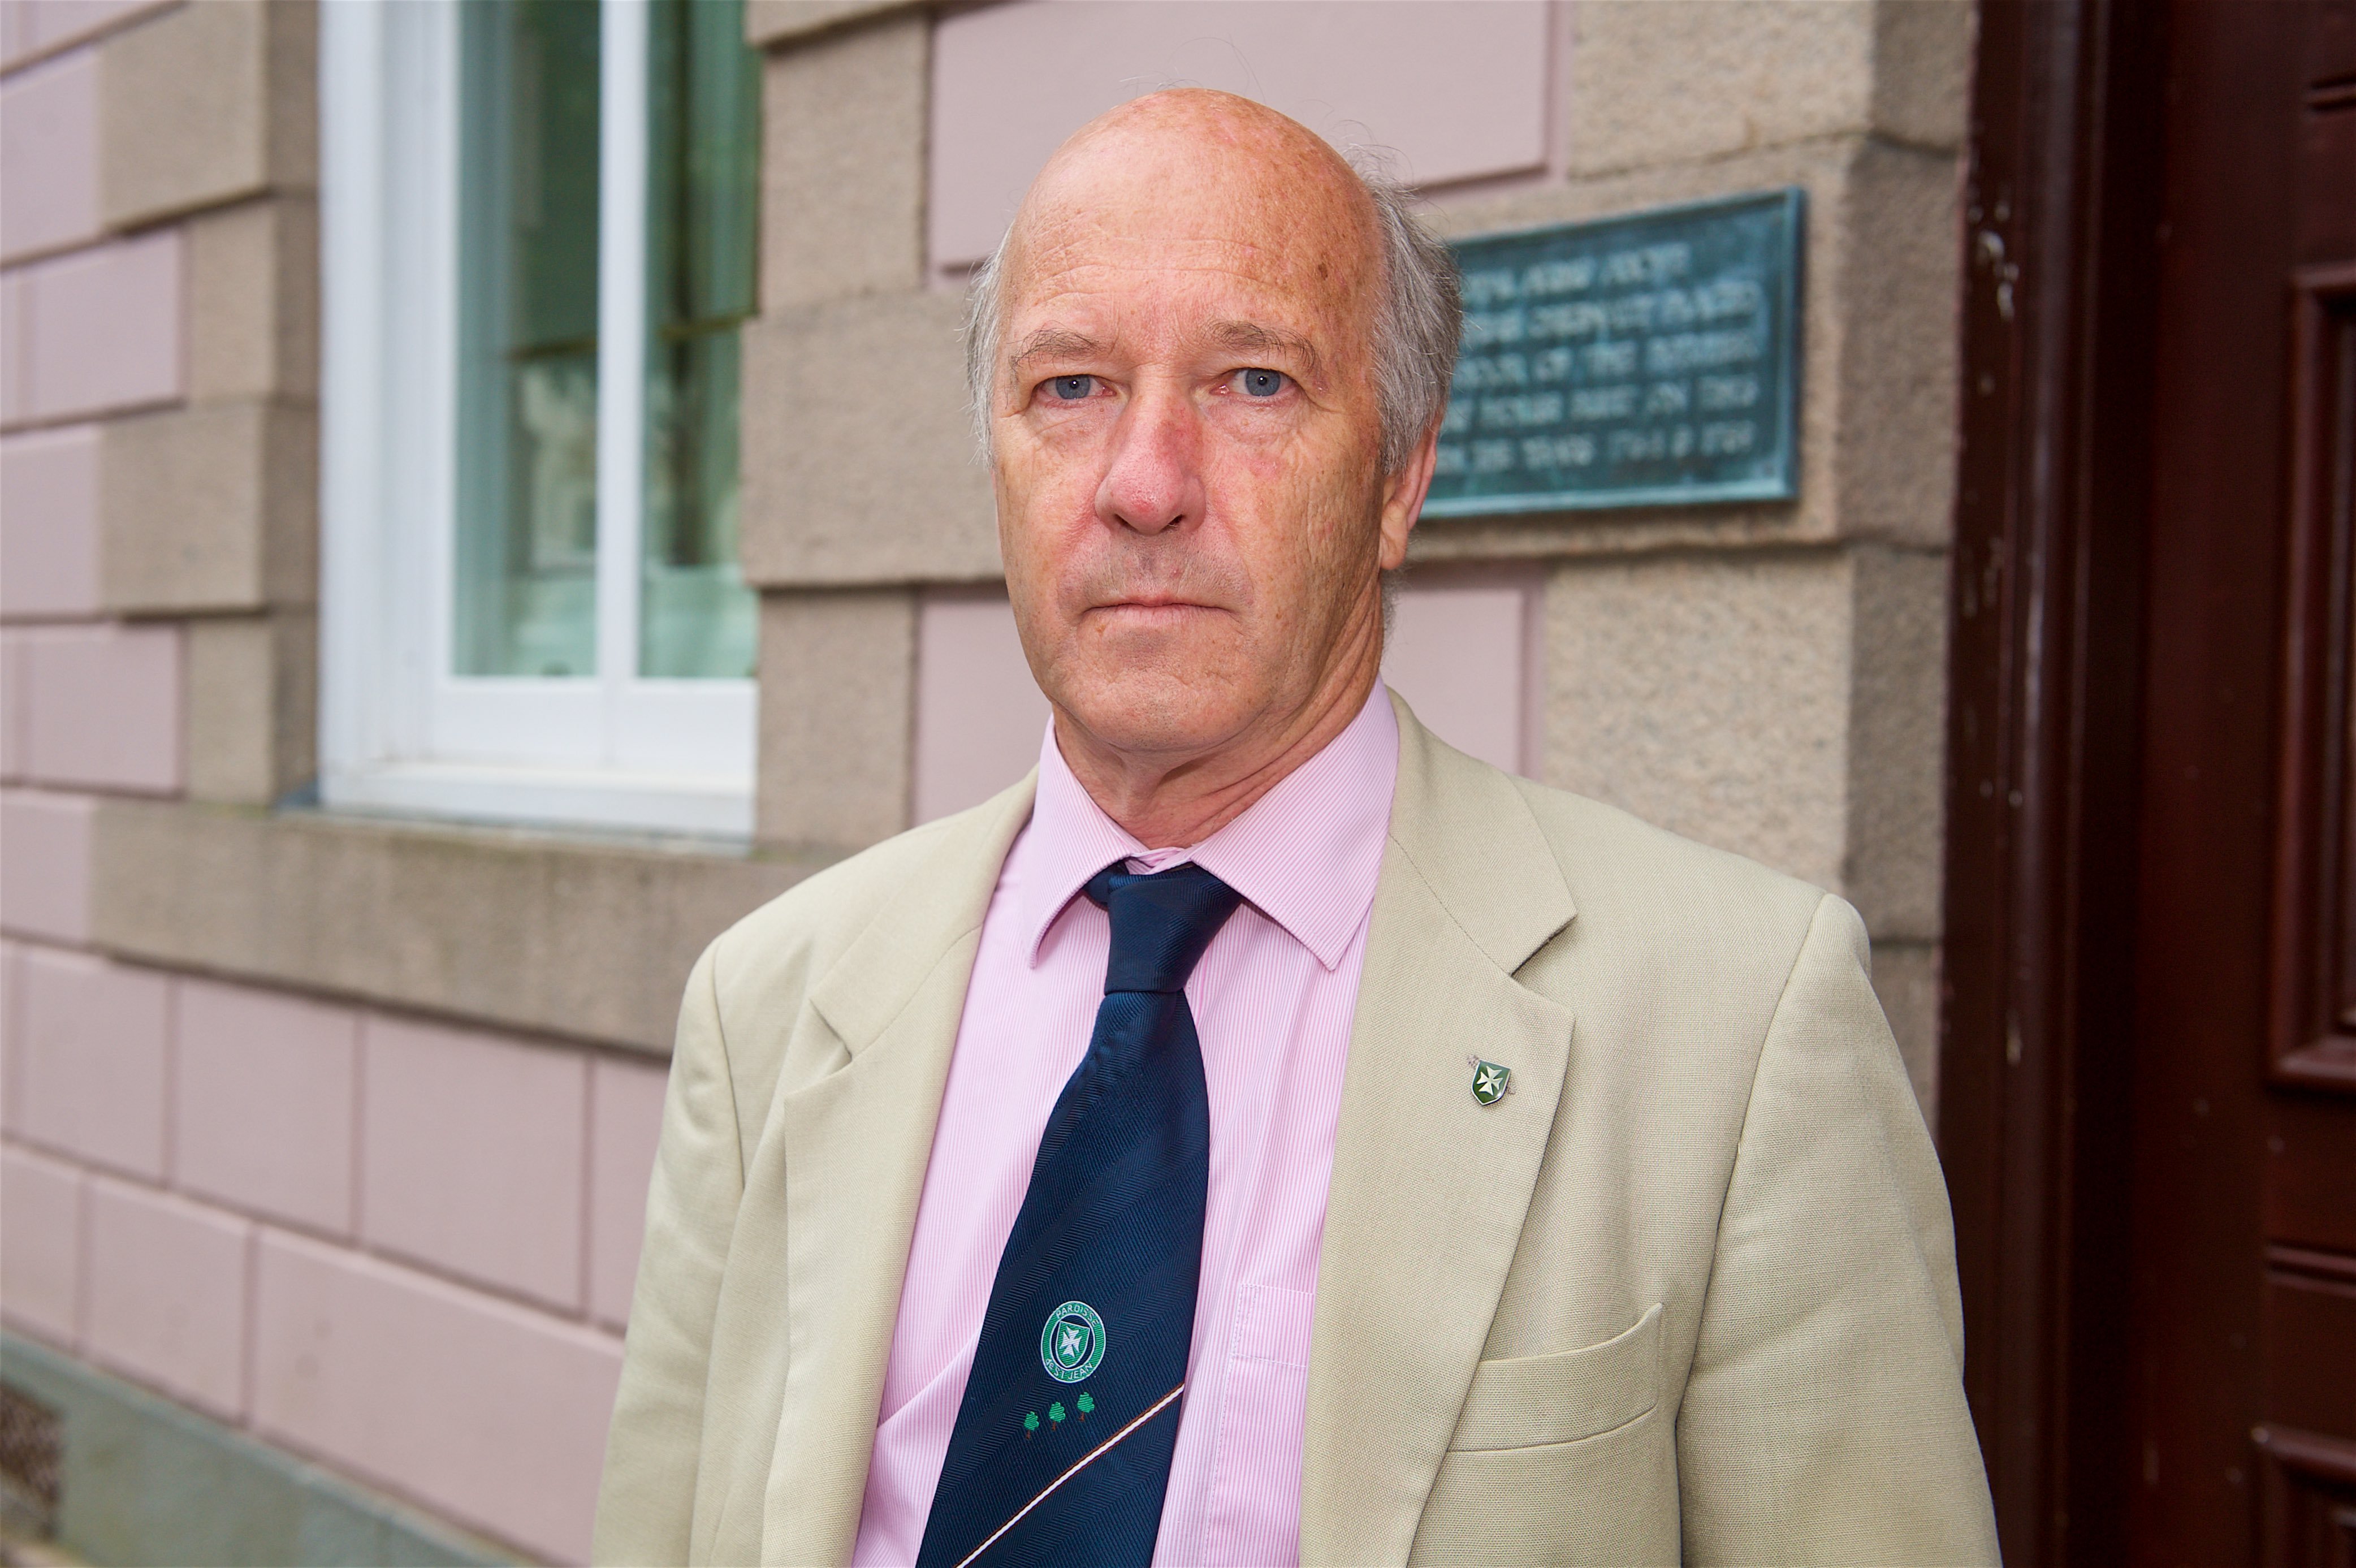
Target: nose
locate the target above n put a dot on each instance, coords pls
(1154, 480)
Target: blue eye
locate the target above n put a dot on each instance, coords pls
(1261, 383)
(1071, 388)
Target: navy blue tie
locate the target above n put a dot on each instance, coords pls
(1061, 1451)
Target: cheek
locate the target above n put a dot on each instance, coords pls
(1298, 515)
(1042, 506)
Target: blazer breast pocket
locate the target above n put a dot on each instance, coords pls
(1531, 1401)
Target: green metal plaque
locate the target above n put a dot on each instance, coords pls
(1645, 361)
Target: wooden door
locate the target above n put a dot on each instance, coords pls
(2240, 1313)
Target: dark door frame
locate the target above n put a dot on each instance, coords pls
(2061, 212)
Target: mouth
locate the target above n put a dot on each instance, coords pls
(1154, 607)
(1149, 622)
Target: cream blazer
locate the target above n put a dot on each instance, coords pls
(1689, 1291)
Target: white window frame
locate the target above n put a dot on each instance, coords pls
(399, 732)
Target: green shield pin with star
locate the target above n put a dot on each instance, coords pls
(1490, 1082)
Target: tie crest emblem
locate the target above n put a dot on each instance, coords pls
(1072, 1342)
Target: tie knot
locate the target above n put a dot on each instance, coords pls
(1161, 923)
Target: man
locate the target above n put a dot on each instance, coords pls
(1266, 1133)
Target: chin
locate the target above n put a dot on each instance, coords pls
(1159, 711)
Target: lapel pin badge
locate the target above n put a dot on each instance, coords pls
(1490, 1082)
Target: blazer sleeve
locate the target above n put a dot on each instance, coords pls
(1824, 1418)
(646, 1501)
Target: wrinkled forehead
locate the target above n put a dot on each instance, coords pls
(1222, 198)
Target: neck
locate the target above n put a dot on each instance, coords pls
(1174, 804)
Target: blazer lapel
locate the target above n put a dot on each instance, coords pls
(1430, 1186)
(855, 1143)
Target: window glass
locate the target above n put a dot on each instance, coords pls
(526, 529)
(696, 617)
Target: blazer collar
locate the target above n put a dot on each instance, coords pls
(942, 901)
(1429, 1186)
(850, 1152)
(1471, 838)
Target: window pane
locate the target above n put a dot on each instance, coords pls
(526, 593)
(696, 615)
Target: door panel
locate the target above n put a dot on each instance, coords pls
(2313, 1034)
(2307, 1495)
(2310, 1327)
(2307, 1439)
(2244, 1307)
(2308, 1203)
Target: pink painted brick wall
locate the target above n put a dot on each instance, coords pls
(49, 522)
(168, 1294)
(40, 1245)
(472, 1155)
(49, 156)
(101, 706)
(94, 1060)
(12, 1032)
(16, 386)
(490, 1412)
(980, 714)
(15, 656)
(626, 1100)
(29, 27)
(1460, 653)
(483, 1156)
(44, 864)
(265, 1092)
(1010, 81)
(96, 330)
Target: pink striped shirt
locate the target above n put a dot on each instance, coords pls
(1272, 998)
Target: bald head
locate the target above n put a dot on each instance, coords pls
(1219, 177)
(1210, 180)
(1193, 145)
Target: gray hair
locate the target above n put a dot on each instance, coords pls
(1417, 326)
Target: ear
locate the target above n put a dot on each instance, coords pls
(1403, 494)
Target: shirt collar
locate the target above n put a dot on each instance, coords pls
(1306, 854)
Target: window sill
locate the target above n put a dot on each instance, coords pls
(587, 937)
(715, 807)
